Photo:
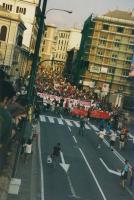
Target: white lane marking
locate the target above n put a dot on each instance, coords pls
(94, 177)
(72, 188)
(60, 121)
(61, 116)
(41, 168)
(51, 119)
(76, 123)
(129, 191)
(87, 127)
(118, 155)
(74, 139)
(68, 122)
(110, 170)
(69, 128)
(94, 127)
(42, 118)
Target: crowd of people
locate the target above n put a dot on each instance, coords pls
(61, 95)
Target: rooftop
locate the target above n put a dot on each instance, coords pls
(126, 15)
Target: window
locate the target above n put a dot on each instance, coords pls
(19, 40)
(21, 10)
(100, 53)
(17, 9)
(114, 57)
(105, 27)
(132, 31)
(128, 60)
(117, 43)
(103, 40)
(125, 72)
(131, 45)
(111, 70)
(120, 29)
(7, 6)
(3, 33)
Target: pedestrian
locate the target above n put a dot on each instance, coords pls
(108, 128)
(121, 140)
(124, 173)
(101, 135)
(131, 176)
(56, 153)
(28, 149)
(82, 126)
(112, 136)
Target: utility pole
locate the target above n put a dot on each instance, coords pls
(34, 67)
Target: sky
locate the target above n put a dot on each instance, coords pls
(81, 10)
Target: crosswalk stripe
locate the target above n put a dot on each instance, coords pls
(94, 127)
(76, 123)
(60, 121)
(86, 126)
(42, 118)
(68, 122)
(51, 119)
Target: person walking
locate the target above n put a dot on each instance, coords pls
(121, 140)
(101, 136)
(124, 173)
(82, 126)
(56, 154)
(112, 136)
(131, 177)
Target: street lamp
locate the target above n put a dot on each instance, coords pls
(67, 11)
(34, 67)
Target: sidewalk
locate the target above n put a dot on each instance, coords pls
(29, 173)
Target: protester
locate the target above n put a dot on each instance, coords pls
(124, 173)
(112, 136)
(101, 136)
(132, 177)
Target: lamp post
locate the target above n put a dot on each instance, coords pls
(67, 11)
(34, 67)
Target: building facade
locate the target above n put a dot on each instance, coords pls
(56, 43)
(48, 46)
(29, 11)
(107, 53)
(12, 55)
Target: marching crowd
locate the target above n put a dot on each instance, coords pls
(114, 127)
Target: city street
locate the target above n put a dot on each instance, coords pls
(92, 173)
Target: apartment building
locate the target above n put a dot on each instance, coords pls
(106, 52)
(56, 43)
(48, 46)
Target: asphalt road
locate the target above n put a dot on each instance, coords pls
(90, 175)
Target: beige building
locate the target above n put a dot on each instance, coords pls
(56, 43)
(28, 11)
(12, 55)
(48, 45)
(108, 49)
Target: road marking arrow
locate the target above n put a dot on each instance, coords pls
(63, 164)
(110, 170)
